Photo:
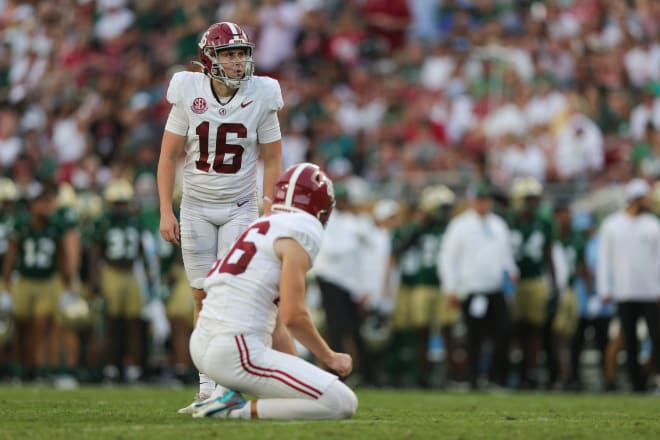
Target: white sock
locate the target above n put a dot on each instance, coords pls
(242, 413)
(218, 391)
(206, 384)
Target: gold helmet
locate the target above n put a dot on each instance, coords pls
(74, 310)
(8, 191)
(523, 187)
(119, 191)
(66, 196)
(526, 187)
(433, 197)
(89, 206)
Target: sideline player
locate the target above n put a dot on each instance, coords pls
(35, 246)
(224, 119)
(535, 299)
(261, 277)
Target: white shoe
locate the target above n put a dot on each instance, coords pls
(200, 399)
(222, 406)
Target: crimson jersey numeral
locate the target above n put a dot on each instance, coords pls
(245, 246)
(221, 148)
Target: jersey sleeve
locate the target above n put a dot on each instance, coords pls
(274, 93)
(20, 223)
(98, 231)
(68, 219)
(174, 89)
(549, 231)
(305, 229)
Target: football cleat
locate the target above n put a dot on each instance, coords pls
(200, 399)
(222, 406)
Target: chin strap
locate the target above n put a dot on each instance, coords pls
(197, 63)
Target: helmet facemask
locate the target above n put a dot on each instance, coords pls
(218, 69)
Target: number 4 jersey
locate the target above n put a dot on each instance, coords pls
(243, 288)
(221, 145)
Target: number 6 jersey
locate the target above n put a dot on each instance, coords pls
(243, 287)
(221, 145)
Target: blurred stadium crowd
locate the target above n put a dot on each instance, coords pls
(391, 97)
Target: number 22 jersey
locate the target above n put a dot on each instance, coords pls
(243, 288)
(221, 139)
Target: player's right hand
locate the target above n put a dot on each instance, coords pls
(169, 227)
(342, 363)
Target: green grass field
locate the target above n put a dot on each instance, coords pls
(150, 413)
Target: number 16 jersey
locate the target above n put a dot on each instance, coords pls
(221, 139)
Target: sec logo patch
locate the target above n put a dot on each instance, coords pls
(199, 105)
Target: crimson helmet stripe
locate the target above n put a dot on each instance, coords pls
(288, 200)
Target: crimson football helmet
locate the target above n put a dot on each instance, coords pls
(222, 36)
(305, 188)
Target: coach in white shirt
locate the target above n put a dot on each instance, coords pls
(628, 272)
(474, 258)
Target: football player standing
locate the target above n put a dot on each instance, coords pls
(117, 243)
(420, 303)
(223, 118)
(35, 245)
(531, 235)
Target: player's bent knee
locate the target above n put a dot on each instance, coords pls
(350, 405)
(340, 400)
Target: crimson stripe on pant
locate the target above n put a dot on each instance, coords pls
(280, 375)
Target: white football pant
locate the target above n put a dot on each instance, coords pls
(287, 387)
(208, 231)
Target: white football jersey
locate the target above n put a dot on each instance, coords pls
(243, 287)
(221, 146)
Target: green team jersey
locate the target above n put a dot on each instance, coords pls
(87, 238)
(119, 237)
(573, 244)
(67, 217)
(166, 253)
(416, 248)
(529, 241)
(37, 248)
(166, 250)
(6, 227)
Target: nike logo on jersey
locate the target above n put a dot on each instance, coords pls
(245, 104)
(241, 203)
